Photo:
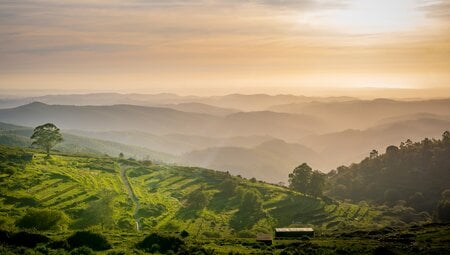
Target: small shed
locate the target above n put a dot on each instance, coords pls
(293, 233)
(264, 238)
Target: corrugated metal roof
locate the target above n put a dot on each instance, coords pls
(294, 230)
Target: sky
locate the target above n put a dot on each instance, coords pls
(316, 47)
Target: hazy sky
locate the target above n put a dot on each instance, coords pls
(225, 46)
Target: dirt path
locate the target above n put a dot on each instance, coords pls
(133, 197)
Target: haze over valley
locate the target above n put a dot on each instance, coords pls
(259, 135)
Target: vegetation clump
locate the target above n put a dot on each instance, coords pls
(22, 238)
(161, 243)
(43, 219)
(94, 241)
(13, 159)
(250, 211)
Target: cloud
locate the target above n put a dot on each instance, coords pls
(440, 9)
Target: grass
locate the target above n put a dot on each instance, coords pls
(70, 183)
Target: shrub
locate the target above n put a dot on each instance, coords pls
(24, 239)
(89, 239)
(43, 219)
(197, 200)
(165, 243)
(228, 186)
(83, 250)
(246, 234)
(184, 234)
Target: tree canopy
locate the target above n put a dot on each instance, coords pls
(304, 179)
(46, 136)
(415, 173)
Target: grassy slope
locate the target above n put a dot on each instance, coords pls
(69, 183)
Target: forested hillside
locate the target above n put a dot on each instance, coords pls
(415, 174)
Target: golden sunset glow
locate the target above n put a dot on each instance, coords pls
(199, 46)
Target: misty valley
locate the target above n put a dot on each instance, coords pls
(110, 173)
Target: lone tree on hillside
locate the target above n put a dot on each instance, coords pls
(46, 136)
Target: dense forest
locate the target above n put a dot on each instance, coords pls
(414, 174)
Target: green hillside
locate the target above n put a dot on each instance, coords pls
(126, 200)
(93, 194)
(69, 183)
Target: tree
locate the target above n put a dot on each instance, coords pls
(442, 212)
(228, 186)
(317, 184)
(446, 137)
(304, 179)
(373, 154)
(197, 199)
(299, 179)
(46, 136)
(251, 202)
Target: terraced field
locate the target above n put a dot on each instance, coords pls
(72, 184)
(167, 187)
(110, 195)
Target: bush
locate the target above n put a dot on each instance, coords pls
(89, 239)
(163, 244)
(184, 234)
(197, 200)
(24, 239)
(43, 219)
(246, 234)
(83, 250)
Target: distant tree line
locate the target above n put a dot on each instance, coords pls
(416, 175)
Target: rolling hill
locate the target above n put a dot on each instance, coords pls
(345, 147)
(161, 121)
(20, 136)
(175, 144)
(201, 108)
(363, 114)
(271, 160)
(73, 184)
(125, 200)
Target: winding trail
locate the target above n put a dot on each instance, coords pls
(132, 195)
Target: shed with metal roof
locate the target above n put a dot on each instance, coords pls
(292, 233)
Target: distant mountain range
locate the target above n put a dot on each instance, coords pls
(361, 114)
(255, 102)
(161, 121)
(220, 132)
